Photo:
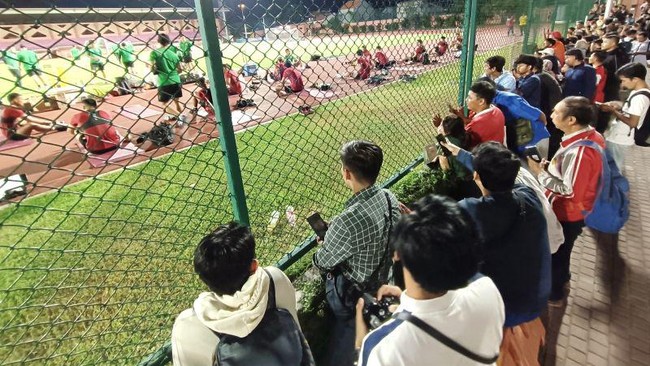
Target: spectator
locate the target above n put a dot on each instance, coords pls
(240, 295)
(640, 48)
(580, 79)
(559, 46)
(94, 130)
(29, 60)
(582, 44)
(630, 115)
(549, 54)
(503, 79)
(355, 250)
(16, 125)
(516, 247)
(529, 85)
(232, 80)
(166, 64)
(596, 60)
(438, 244)
(485, 122)
(571, 183)
(616, 58)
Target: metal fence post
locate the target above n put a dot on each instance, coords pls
(526, 47)
(467, 58)
(210, 36)
(463, 57)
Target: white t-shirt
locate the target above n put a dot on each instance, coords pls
(619, 132)
(472, 316)
(640, 47)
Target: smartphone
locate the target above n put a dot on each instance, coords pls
(440, 138)
(317, 224)
(533, 153)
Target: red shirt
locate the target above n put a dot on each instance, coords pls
(442, 47)
(9, 117)
(381, 58)
(295, 79)
(488, 125)
(98, 136)
(580, 169)
(364, 68)
(419, 50)
(601, 78)
(367, 54)
(232, 79)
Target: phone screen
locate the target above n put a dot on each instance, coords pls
(533, 153)
(317, 224)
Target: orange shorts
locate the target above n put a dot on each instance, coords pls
(521, 344)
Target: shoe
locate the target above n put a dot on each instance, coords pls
(181, 121)
(60, 127)
(140, 139)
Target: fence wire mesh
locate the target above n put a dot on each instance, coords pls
(100, 220)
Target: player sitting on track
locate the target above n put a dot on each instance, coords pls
(442, 46)
(16, 125)
(364, 67)
(232, 81)
(94, 129)
(296, 85)
(276, 75)
(420, 54)
(381, 60)
(203, 97)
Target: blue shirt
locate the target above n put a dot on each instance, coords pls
(506, 81)
(515, 107)
(580, 81)
(530, 88)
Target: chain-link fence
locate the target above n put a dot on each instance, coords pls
(103, 206)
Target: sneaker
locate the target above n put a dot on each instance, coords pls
(181, 121)
(58, 126)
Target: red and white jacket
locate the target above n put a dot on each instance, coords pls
(573, 176)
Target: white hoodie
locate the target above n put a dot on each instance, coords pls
(193, 335)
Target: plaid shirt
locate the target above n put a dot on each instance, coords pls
(357, 238)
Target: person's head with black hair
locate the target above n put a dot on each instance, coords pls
(549, 42)
(89, 104)
(574, 57)
(453, 126)
(359, 52)
(164, 40)
(630, 33)
(361, 162)
(573, 114)
(202, 82)
(597, 58)
(480, 96)
(15, 99)
(225, 258)
(524, 65)
(642, 36)
(495, 167)
(632, 76)
(494, 65)
(539, 66)
(419, 42)
(439, 246)
(610, 42)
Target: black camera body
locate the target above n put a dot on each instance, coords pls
(375, 312)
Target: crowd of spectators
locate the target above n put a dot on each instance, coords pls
(474, 276)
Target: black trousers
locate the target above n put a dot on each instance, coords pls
(561, 260)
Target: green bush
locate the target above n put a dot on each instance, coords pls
(422, 182)
(371, 28)
(355, 29)
(392, 26)
(363, 29)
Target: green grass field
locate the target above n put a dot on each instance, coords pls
(96, 272)
(62, 72)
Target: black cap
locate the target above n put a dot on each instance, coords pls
(89, 102)
(526, 60)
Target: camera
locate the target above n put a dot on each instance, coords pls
(375, 312)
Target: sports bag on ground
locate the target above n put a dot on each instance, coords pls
(276, 340)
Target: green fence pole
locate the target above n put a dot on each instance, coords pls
(210, 36)
(463, 57)
(529, 14)
(554, 17)
(471, 45)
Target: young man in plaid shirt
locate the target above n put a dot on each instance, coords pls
(355, 250)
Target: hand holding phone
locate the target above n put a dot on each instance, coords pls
(533, 153)
(317, 224)
(442, 139)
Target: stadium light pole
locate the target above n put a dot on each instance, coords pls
(241, 7)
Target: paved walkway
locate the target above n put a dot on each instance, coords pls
(607, 320)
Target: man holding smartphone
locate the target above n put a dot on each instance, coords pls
(355, 251)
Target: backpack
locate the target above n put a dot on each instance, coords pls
(642, 135)
(243, 103)
(612, 205)
(276, 340)
(161, 135)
